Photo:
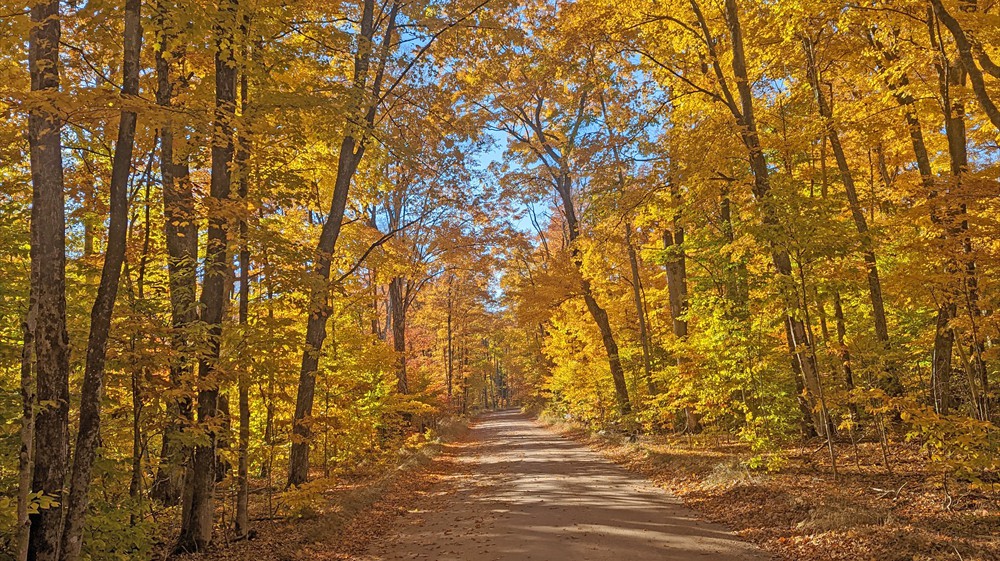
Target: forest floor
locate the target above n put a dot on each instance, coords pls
(338, 518)
(508, 490)
(799, 512)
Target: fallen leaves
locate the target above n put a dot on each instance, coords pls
(801, 513)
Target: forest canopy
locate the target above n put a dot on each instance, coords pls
(267, 244)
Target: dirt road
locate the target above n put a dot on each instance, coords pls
(522, 492)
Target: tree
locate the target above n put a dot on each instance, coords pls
(352, 150)
(47, 317)
(181, 240)
(198, 522)
(545, 124)
(966, 50)
(372, 84)
(107, 292)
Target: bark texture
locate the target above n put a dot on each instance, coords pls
(48, 286)
(26, 450)
(242, 469)
(397, 309)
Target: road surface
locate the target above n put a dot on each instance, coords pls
(521, 492)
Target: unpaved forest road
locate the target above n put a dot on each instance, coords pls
(522, 492)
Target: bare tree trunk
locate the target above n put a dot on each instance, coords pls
(242, 470)
(26, 451)
(677, 290)
(611, 348)
(944, 339)
(949, 75)
(107, 294)
(196, 534)
(181, 237)
(451, 349)
(828, 425)
(267, 396)
(135, 483)
(762, 192)
(398, 311)
(138, 374)
(48, 286)
(298, 469)
(806, 424)
(673, 240)
(943, 335)
(564, 185)
(845, 353)
(147, 230)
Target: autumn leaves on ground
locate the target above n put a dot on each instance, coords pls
(260, 257)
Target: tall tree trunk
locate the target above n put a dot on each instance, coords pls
(827, 421)
(139, 374)
(26, 450)
(242, 470)
(677, 290)
(298, 470)
(451, 348)
(135, 483)
(267, 396)
(107, 294)
(599, 315)
(762, 192)
(676, 268)
(563, 180)
(950, 75)
(806, 424)
(958, 151)
(181, 240)
(147, 230)
(196, 534)
(352, 150)
(944, 339)
(892, 384)
(640, 309)
(48, 285)
(398, 311)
